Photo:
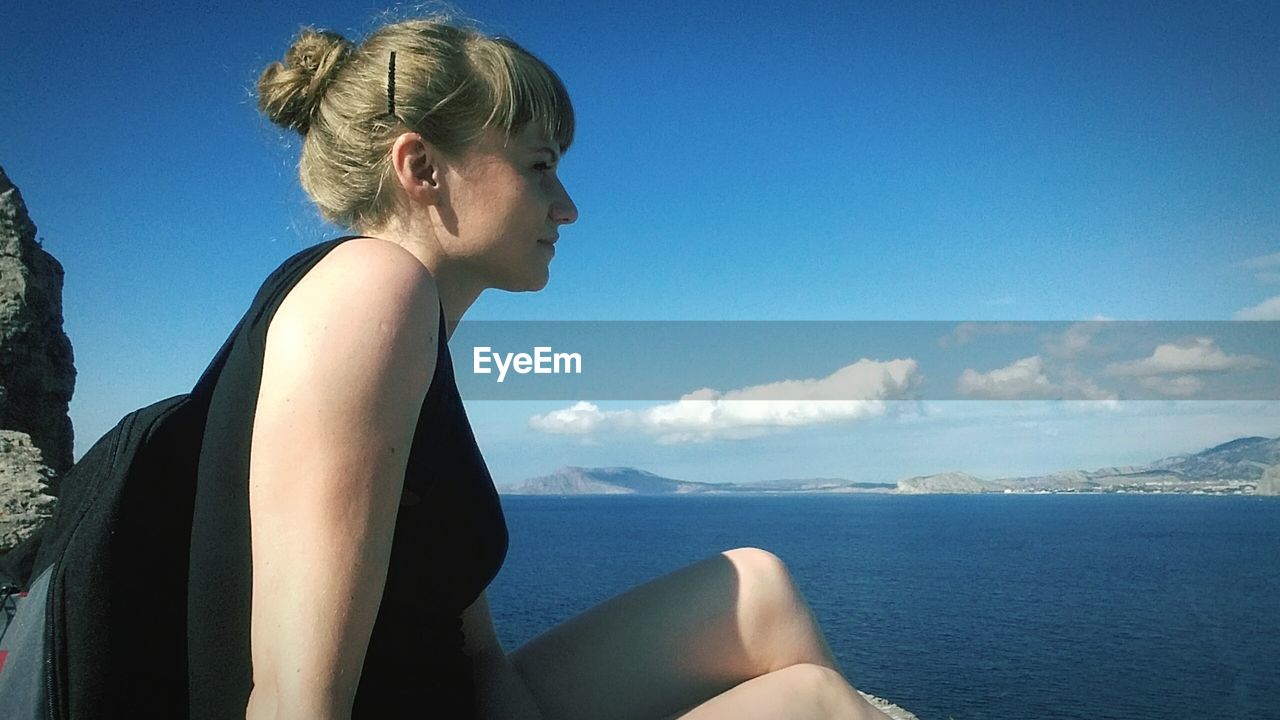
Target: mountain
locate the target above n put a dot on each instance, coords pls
(948, 482)
(1236, 465)
(630, 481)
(602, 481)
(1240, 459)
(1241, 466)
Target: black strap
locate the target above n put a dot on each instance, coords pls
(203, 390)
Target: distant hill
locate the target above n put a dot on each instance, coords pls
(601, 481)
(1240, 461)
(630, 481)
(949, 482)
(1243, 459)
(1250, 464)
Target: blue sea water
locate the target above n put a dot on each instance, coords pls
(964, 607)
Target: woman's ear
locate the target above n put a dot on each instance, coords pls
(416, 164)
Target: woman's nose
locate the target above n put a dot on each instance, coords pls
(563, 210)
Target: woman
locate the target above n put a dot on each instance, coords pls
(373, 526)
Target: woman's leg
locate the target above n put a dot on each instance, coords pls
(676, 642)
(798, 692)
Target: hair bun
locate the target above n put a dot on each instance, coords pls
(289, 92)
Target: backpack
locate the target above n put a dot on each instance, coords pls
(100, 605)
(96, 600)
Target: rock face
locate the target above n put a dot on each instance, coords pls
(24, 485)
(893, 711)
(36, 371)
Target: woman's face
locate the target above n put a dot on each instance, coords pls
(508, 205)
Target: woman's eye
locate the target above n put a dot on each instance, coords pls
(542, 166)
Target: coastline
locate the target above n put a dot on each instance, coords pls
(888, 708)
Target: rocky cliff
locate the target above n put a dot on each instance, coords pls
(36, 371)
(36, 374)
(24, 481)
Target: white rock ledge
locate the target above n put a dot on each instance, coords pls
(889, 708)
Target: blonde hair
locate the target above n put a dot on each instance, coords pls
(451, 84)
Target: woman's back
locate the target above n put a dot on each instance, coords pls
(443, 542)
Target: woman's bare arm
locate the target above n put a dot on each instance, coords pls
(349, 359)
(501, 693)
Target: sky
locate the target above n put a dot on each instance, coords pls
(1032, 164)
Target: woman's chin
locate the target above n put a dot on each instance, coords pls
(531, 283)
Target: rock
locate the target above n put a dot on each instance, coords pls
(888, 708)
(24, 484)
(36, 371)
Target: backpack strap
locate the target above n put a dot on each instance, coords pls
(267, 300)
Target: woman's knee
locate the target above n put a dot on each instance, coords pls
(764, 580)
(777, 627)
(821, 686)
(761, 568)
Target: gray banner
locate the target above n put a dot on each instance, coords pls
(811, 361)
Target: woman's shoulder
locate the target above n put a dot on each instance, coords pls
(366, 275)
(371, 260)
(362, 287)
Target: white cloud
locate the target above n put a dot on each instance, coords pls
(1264, 262)
(1106, 406)
(1022, 380)
(581, 419)
(1266, 269)
(1187, 356)
(1077, 386)
(967, 332)
(1076, 339)
(1268, 309)
(859, 390)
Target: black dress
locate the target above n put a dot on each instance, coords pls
(450, 540)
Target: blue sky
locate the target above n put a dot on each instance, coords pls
(808, 161)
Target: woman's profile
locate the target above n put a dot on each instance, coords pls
(345, 524)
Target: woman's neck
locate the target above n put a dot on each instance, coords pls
(458, 289)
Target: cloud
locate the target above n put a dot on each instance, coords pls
(1078, 386)
(1263, 262)
(1076, 339)
(581, 419)
(1186, 356)
(1029, 379)
(1266, 269)
(967, 332)
(1022, 380)
(1268, 309)
(708, 414)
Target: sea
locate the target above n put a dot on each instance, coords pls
(959, 607)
